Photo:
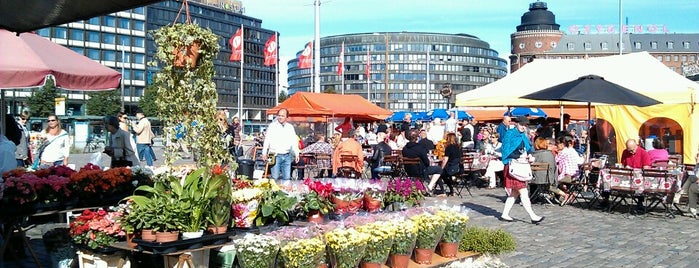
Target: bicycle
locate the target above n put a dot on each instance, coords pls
(95, 143)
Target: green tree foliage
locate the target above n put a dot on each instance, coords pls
(103, 103)
(42, 101)
(330, 90)
(147, 101)
(283, 96)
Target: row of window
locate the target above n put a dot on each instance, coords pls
(210, 12)
(412, 58)
(408, 47)
(684, 58)
(93, 36)
(636, 45)
(123, 23)
(110, 55)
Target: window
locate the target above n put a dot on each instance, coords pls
(124, 23)
(670, 45)
(676, 58)
(637, 45)
(538, 44)
(139, 58)
(139, 25)
(654, 45)
(604, 46)
(660, 58)
(78, 50)
(94, 21)
(139, 42)
(93, 54)
(109, 55)
(685, 44)
(684, 58)
(61, 33)
(139, 75)
(93, 36)
(46, 32)
(124, 40)
(109, 38)
(77, 35)
(587, 46)
(139, 10)
(571, 46)
(554, 44)
(110, 21)
(692, 58)
(667, 58)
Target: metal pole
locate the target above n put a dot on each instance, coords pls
(386, 70)
(342, 72)
(242, 74)
(123, 62)
(276, 71)
(427, 86)
(621, 42)
(316, 49)
(368, 73)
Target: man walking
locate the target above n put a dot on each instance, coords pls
(281, 141)
(144, 137)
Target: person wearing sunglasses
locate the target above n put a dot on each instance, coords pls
(54, 148)
(22, 152)
(123, 121)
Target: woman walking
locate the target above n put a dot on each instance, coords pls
(516, 147)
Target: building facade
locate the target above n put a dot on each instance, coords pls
(106, 38)
(538, 36)
(399, 77)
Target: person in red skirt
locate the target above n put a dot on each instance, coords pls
(516, 144)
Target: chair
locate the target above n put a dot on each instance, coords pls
(464, 180)
(347, 164)
(410, 162)
(324, 163)
(658, 183)
(660, 163)
(393, 161)
(309, 164)
(621, 191)
(677, 159)
(541, 192)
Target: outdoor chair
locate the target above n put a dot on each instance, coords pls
(347, 164)
(392, 161)
(308, 165)
(409, 163)
(657, 194)
(541, 191)
(622, 191)
(323, 165)
(465, 179)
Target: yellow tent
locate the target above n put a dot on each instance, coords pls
(676, 120)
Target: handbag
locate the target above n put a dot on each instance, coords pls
(37, 159)
(453, 169)
(520, 170)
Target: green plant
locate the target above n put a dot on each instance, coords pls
(313, 201)
(195, 195)
(483, 240)
(430, 229)
(455, 225)
(275, 205)
(155, 208)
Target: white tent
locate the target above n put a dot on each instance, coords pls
(640, 72)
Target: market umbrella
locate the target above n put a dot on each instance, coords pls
(524, 111)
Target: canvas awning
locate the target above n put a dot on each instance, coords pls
(331, 105)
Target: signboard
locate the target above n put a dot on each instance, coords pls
(60, 104)
(602, 29)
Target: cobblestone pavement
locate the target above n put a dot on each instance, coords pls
(570, 236)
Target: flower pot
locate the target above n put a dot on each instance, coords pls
(129, 240)
(370, 265)
(315, 217)
(187, 56)
(448, 250)
(217, 229)
(399, 261)
(148, 235)
(191, 235)
(423, 256)
(371, 204)
(399, 206)
(323, 265)
(163, 237)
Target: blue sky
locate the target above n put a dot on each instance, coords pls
(491, 21)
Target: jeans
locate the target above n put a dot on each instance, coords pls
(300, 172)
(283, 164)
(378, 170)
(145, 152)
(20, 163)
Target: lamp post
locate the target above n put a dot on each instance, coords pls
(386, 70)
(427, 86)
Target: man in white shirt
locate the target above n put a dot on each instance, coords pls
(450, 124)
(281, 141)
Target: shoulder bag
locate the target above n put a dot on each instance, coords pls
(37, 159)
(520, 169)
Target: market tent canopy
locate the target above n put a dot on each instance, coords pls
(639, 72)
(28, 59)
(331, 105)
(28, 15)
(496, 113)
(444, 114)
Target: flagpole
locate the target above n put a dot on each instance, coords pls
(427, 89)
(342, 54)
(316, 50)
(368, 73)
(276, 70)
(242, 63)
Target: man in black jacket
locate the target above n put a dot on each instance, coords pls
(415, 150)
(425, 142)
(381, 150)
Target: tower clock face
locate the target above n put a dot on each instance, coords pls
(521, 45)
(537, 44)
(553, 44)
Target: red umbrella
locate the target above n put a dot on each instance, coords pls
(28, 59)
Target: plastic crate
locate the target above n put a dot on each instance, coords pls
(97, 260)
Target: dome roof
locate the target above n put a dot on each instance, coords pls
(538, 18)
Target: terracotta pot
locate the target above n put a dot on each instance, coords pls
(399, 261)
(148, 235)
(372, 205)
(163, 237)
(423, 256)
(129, 240)
(315, 217)
(370, 265)
(448, 250)
(187, 56)
(341, 206)
(322, 265)
(217, 229)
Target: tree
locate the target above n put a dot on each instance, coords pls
(330, 90)
(283, 96)
(147, 101)
(103, 103)
(42, 102)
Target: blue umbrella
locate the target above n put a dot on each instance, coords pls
(397, 116)
(444, 114)
(420, 116)
(524, 111)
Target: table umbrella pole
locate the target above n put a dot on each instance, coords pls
(561, 119)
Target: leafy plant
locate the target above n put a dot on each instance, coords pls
(455, 225)
(483, 240)
(313, 201)
(404, 190)
(275, 205)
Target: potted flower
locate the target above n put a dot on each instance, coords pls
(275, 204)
(455, 226)
(245, 206)
(346, 247)
(347, 200)
(373, 198)
(403, 193)
(403, 242)
(379, 245)
(159, 209)
(301, 253)
(219, 215)
(430, 229)
(257, 251)
(316, 202)
(96, 229)
(194, 196)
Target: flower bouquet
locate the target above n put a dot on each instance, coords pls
(303, 253)
(404, 190)
(380, 241)
(430, 232)
(347, 247)
(96, 229)
(257, 251)
(347, 201)
(405, 235)
(373, 196)
(245, 206)
(453, 232)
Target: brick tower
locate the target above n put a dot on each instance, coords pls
(537, 33)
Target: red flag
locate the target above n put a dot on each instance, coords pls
(271, 51)
(236, 43)
(341, 61)
(368, 64)
(306, 57)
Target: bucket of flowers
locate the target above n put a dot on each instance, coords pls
(373, 196)
(403, 193)
(455, 226)
(430, 228)
(403, 242)
(317, 202)
(96, 230)
(346, 247)
(379, 246)
(303, 252)
(257, 251)
(347, 200)
(245, 205)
